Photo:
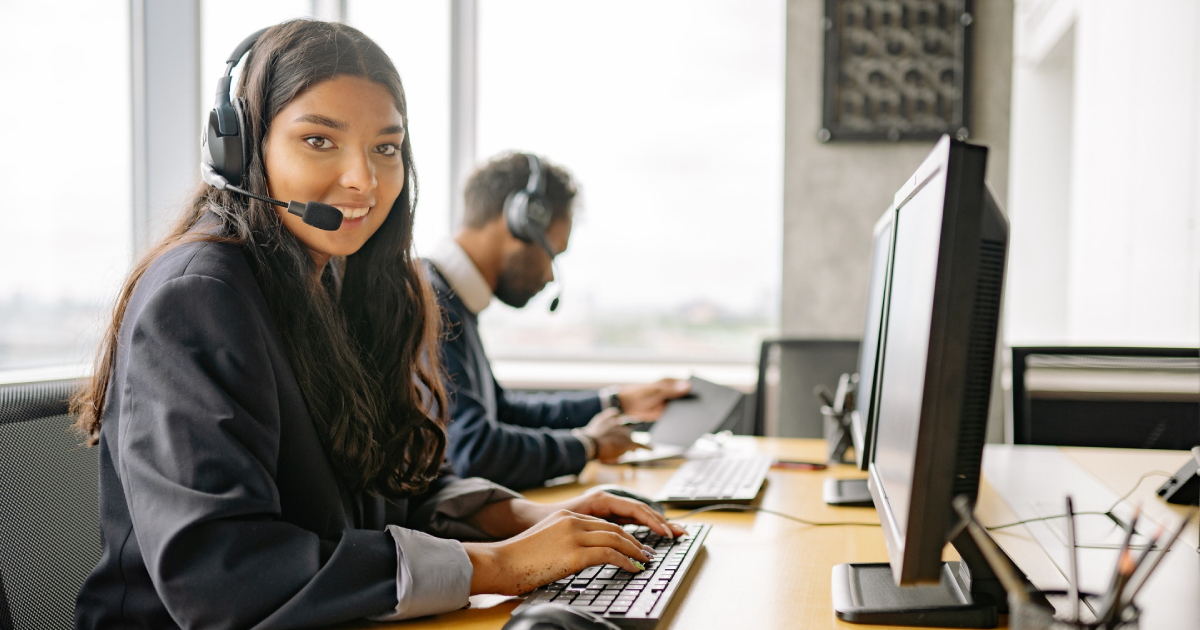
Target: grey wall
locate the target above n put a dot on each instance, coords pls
(833, 193)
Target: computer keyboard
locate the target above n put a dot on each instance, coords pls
(629, 600)
(735, 479)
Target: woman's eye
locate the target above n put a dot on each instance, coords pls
(318, 142)
(387, 149)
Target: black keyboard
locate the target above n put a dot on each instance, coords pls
(735, 479)
(630, 600)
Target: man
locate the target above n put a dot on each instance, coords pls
(518, 217)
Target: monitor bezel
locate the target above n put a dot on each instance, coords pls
(915, 547)
(862, 418)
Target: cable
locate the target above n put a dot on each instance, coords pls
(1152, 473)
(751, 508)
(1043, 518)
(1108, 512)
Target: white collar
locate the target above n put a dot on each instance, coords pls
(462, 275)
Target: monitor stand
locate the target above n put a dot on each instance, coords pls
(847, 493)
(968, 596)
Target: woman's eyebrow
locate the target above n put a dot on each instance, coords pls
(391, 129)
(323, 120)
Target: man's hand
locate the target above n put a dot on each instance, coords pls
(647, 402)
(611, 435)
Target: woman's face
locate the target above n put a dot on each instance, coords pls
(337, 143)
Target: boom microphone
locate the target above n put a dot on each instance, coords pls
(319, 215)
(558, 281)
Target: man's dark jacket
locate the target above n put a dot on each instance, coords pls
(515, 439)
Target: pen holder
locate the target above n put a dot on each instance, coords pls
(837, 435)
(1032, 615)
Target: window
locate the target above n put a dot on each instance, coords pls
(670, 116)
(224, 24)
(416, 35)
(67, 221)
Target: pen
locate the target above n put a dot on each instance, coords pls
(1074, 583)
(796, 465)
(1145, 576)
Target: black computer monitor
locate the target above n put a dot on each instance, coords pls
(934, 386)
(862, 418)
(854, 492)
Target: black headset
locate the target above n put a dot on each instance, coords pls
(528, 215)
(223, 144)
(224, 149)
(525, 210)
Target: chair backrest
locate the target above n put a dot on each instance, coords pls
(788, 371)
(1106, 396)
(49, 507)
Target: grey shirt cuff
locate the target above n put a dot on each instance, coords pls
(443, 513)
(433, 575)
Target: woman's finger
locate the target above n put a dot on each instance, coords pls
(598, 525)
(638, 512)
(612, 540)
(606, 555)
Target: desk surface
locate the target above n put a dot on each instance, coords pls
(761, 571)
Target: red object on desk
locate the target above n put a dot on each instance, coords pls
(794, 465)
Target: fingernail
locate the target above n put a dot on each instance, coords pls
(639, 565)
(648, 554)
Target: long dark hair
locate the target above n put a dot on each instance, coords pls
(366, 354)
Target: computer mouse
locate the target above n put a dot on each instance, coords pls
(630, 494)
(557, 617)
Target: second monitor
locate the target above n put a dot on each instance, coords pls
(934, 375)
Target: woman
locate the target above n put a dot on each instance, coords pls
(267, 399)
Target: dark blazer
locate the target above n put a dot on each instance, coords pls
(516, 440)
(218, 505)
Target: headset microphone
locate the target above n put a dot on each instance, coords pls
(319, 215)
(558, 281)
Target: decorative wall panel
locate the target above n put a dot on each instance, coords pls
(896, 69)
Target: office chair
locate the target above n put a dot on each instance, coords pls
(788, 370)
(1110, 397)
(49, 507)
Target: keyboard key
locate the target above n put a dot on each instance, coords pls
(588, 573)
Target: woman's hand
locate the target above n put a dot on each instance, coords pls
(602, 504)
(509, 518)
(561, 544)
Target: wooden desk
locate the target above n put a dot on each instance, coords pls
(761, 571)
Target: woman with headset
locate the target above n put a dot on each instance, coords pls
(267, 398)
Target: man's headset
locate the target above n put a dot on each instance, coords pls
(224, 152)
(528, 215)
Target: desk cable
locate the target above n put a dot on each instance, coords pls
(1108, 512)
(751, 508)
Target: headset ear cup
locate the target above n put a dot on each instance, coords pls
(516, 208)
(243, 144)
(537, 216)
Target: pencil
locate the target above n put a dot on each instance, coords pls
(1114, 606)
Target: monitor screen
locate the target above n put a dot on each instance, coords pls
(868, 360)
(919, 228)
(935, 371)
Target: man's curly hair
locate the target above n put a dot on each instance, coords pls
(492, 183)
